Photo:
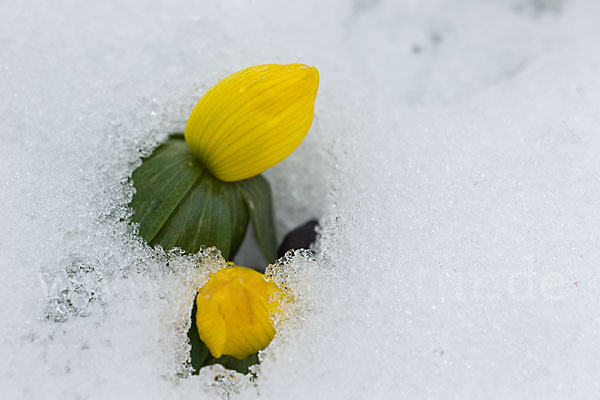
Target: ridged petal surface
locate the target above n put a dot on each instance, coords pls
(235, 310)
(253, 119)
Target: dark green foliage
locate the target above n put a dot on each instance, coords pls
(179, 204)
(257, 193)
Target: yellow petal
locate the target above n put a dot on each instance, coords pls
(235, 312)
(212, 326)
(253, 119)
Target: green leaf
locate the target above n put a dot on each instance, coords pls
(161, 182)
(257, 194)
(202, 218)
(177, 204)
(239, 215)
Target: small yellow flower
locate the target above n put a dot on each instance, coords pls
(253, 119)
(235, 312)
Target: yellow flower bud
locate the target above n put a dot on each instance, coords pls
(253, 119)
(235, 312)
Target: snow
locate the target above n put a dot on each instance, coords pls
(453, 162)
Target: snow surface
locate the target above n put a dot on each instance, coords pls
(453, 160)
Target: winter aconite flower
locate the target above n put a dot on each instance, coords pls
(253, 119)
(235, 312)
